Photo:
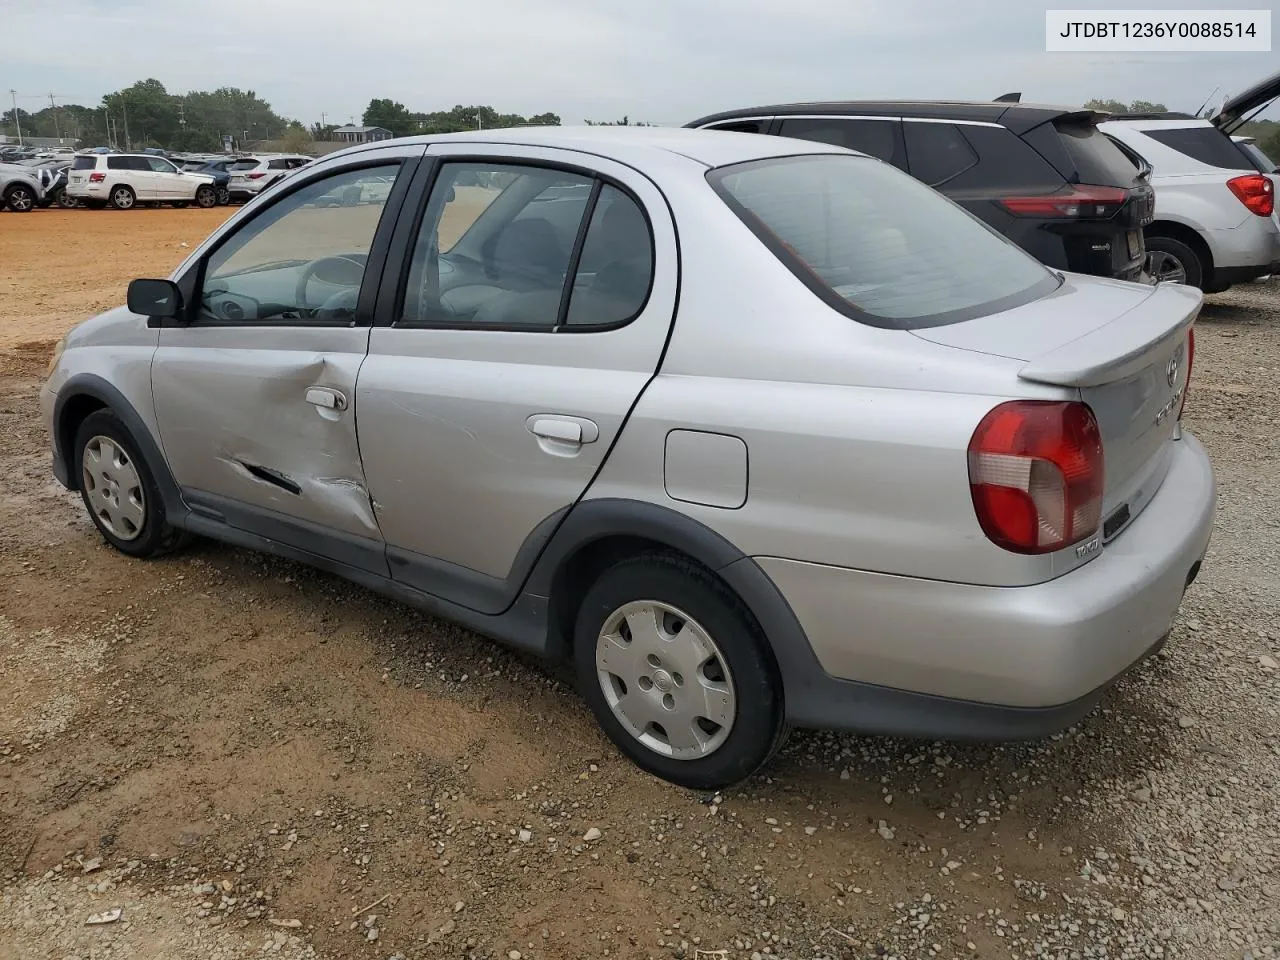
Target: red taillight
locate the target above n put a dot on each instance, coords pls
(97, 177)
(1036, 474)
(1077, 202)
(1191, 359)
(1255, 191)
(256, 176)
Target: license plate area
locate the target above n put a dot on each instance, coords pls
(1133, 241)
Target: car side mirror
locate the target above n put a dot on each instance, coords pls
(157, 300)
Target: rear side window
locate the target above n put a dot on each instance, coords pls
(937, 152)
(1006, 163)
(119, 163)
(1094, 156)
(84, 163)
(879, 138)
(1207, 144)
(878, 245)
(278, 165)
(740, 126)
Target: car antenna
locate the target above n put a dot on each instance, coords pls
(1009, 98)
(1200, 111)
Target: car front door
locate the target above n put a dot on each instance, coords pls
(255, 395)
(168, 183)
(537, 293)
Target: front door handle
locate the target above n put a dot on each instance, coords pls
(327, 397)
(572, 430)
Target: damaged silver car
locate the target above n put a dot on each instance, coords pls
(755, 432)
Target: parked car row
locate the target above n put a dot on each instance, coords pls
(1137, 197)
(97, 179)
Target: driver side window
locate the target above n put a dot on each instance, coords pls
(301, 260)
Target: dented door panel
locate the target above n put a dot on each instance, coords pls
(235, 419)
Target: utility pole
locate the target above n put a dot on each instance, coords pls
(479, 122)
(124, 107)
(56, 128)
(16, 122)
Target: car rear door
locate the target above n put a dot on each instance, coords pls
(255, 394)
(494, 388)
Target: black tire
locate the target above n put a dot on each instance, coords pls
(206, 197)
(757, 730)
(224, 196)
(123, 197)
(20, 198)
(1193, 267)
(66, 201)
(155, 536)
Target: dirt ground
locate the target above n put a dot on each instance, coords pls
(248, 757)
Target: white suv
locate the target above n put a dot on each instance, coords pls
(251, 175)
(125, 180)
(1215, 219)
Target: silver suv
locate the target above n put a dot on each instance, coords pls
(756, 432)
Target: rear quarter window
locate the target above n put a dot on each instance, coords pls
(1095, 156)
(1207, 144)
(1005, 163)
(878, 245)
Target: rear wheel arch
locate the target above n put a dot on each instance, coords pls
(1186, 235)
(597, 534)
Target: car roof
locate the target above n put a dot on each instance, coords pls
(712, 148)
(1018, 117)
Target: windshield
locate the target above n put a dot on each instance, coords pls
(877, 244)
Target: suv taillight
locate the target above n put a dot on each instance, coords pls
(1073, 202)
(1255, 191)
(1191, 359)
(1036, 474)
(256, 176)
(97, 177)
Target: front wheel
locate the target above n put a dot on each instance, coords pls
(224, 195)
(206, 197)
(677, 673)
(119, 490)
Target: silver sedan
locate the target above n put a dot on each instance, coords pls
(758, 433)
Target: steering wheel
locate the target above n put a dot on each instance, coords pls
(341, 262)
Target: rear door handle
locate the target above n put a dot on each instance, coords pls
(327, 397)
(575, 430)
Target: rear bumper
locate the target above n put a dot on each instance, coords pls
(1245, 251)
(938, 659)
(90, 191)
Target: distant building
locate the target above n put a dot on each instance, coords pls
(352, 134)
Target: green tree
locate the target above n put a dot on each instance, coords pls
(1118, 106)
(389, 115)
(297, 138)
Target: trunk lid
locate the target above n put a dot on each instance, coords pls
(1123, 348)
(1234, 112)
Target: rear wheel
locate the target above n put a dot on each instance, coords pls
(123, 197)
(20, 198)
(206, 197)
(677, 673)
(119, 490)
(1173, 261)
(67, 201)
(224, 195)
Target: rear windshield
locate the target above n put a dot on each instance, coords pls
(1206, 144)
(878, 245)
(248, 164)
(1095, 156)
(84, 163)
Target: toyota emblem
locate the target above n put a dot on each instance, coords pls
(1171, 371)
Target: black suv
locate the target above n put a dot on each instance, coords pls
(1043, 176)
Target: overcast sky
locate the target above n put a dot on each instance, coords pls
(665, 61)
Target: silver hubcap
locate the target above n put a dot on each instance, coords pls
(1167, 268)
(21, 201)
(123, 198)
(665, 680)
(113, 488)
